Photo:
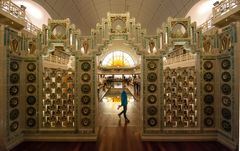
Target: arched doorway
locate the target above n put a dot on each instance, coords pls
(118, 66)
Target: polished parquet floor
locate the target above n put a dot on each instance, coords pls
(123, 138)
(116, 135)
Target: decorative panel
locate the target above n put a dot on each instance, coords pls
(31, 96)
(226, 89)
(208, 93)
(86, 97)
(180, 98)
(151, 95)
(58, 101)
(14, 95)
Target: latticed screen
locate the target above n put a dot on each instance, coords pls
(58, 103)
(180, 97)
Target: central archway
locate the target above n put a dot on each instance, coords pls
(118, 66)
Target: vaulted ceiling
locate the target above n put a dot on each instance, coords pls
(86, 13)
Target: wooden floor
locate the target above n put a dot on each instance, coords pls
(124, 138)
(116, 135)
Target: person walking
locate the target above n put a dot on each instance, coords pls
(124, 103)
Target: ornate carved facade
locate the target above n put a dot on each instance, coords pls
(189, 85)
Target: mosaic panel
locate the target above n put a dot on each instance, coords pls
(180, 101)
(58, 103)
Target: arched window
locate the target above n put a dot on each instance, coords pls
(118, 59)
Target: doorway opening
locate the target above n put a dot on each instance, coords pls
(118, 69)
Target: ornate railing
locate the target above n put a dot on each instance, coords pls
(180, 58)
(31, 27)
(57, 59)
(224, 7)
(207, 25)
(12, 9)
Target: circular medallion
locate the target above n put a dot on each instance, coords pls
(31, 122)
(208, 87)
(152, 121)
(85, 88)
(152, 77)
(208, 65)
(152, 87)
(226, 64)
(152, 99)
(85, 66)
(152, 110)
(14, 78)
(226, 101)
(226, 113)
(226, 89)
(31, 77)
(14, 66)
(226, 76)
(14, 114)
(31, 111)
(208, 99)
(226, 126)
(31, 67)
(13, 102)
(208, 122)
(31, 100)
(31, 88)
(208, 110)
(13, 90)
(85, 99)
(86, 77)
(14, 126)
(85, 121)
(86, 110)
(151, 65)
(208, 76)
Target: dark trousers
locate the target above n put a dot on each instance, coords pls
(124, 112)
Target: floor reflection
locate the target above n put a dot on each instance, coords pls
(108, 112)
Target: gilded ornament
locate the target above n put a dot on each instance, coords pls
(14, 66)
(226, 101)
(14, 126)
(226, 64)
(226, 126)
(14, 102)
(31, 67)
(226, 113)
(152, 121)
